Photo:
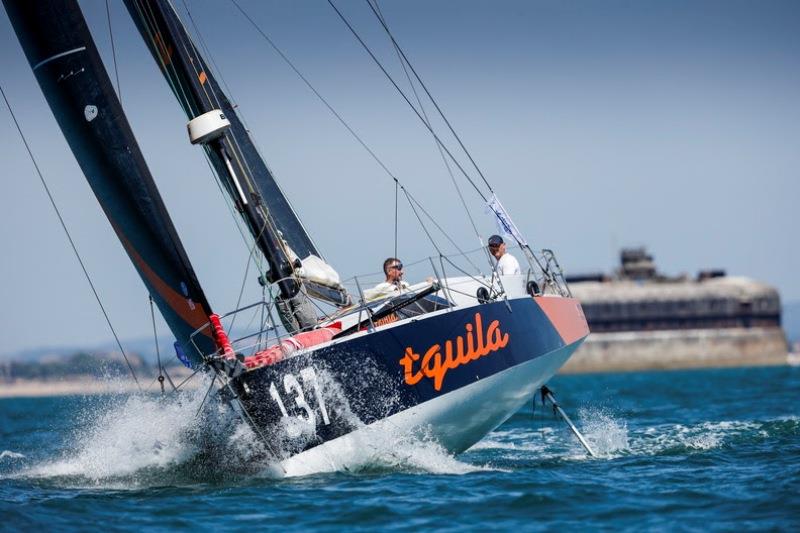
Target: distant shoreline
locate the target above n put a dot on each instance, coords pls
(87, 386)
(34, 388)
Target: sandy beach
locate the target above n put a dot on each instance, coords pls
(24, 388)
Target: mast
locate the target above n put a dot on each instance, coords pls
(214, 124)
(67, 65)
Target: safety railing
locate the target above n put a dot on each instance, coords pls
(553, 267)
(249, 339)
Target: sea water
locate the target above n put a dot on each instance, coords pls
(687, 450)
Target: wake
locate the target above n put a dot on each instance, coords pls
(10, 456)
(610, 436)
(138, 441)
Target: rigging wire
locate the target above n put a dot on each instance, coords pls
(234, 105)
(208, 392)
(396, 187)
(69, 237)
(253, 424)
(403, 94)
(244, 164)
(403, 61)
(171, 73)
(447, 236)
(210, 57)
(243, 231)
(187, 379)
(173, 79)
(412, 201)
(421, 223)
(526, 249)
(380, 273)
(155, 340)
(313, 89)
(161, 370)
(244, 284)
(336, 114)
(258, 257)
(425, 88)
(113, 51)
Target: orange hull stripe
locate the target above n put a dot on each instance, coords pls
(566, 315)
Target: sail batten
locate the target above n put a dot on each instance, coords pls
(70, 72)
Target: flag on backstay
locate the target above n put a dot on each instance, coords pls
(505, 225)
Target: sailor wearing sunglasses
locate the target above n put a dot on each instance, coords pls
(393, 268)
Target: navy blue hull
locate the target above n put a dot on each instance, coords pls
(331, 391)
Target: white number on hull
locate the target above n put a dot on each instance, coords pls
(273, 391)
(309, 375)
(290, 384)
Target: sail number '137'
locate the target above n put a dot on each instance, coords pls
(293, 387)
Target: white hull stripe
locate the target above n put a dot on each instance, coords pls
(62, 54)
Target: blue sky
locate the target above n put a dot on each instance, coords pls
(674, 125)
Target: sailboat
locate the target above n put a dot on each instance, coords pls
(450, 359)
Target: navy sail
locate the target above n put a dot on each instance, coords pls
(67, 65)
(294, 261)
(198, 92)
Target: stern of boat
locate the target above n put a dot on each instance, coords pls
(566, 316)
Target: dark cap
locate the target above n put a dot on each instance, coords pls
(495, 240)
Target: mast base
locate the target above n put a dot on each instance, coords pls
(297, 313)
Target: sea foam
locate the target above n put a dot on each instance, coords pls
(140, 440)
(9, 455)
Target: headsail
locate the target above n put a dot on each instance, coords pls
(199, 93)
(69, 70)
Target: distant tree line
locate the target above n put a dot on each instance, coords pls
(80, 364)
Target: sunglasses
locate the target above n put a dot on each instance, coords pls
(398, 266)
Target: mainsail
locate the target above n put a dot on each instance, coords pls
(69, 70)
(275, 226)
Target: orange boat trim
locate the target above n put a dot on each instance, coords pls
(566, 315)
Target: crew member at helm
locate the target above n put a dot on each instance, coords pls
(393, 268)
(507, 264)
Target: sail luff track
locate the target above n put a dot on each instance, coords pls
(70, 72)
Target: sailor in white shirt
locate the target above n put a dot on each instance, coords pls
(393, 268)
(507, 264)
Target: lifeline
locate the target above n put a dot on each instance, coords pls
(478, 344)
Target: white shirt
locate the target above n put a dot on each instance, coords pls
(384, 289)
(507, 265)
